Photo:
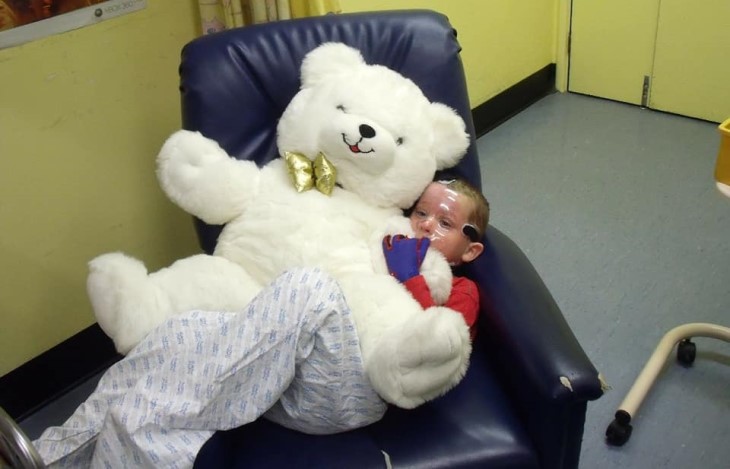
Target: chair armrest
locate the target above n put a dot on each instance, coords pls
(539, 361)
(525, 332)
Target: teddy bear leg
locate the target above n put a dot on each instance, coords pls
(409, 355)
(421, 359)
(128, 302)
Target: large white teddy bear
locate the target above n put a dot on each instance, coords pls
(385, 141)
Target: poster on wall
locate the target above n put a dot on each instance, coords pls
(26, 20)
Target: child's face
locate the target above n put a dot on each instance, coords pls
(440, 215)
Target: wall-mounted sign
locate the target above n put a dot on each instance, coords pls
(25, 20)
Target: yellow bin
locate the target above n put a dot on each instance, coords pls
(722, 168)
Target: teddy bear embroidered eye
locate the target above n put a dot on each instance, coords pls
(358, 144)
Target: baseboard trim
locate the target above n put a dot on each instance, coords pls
(514, 99)
(43, 379)
(50, 375)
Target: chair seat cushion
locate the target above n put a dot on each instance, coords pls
(266, 444)
(472, 426)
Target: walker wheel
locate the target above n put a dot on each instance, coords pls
(686, 352)
(619, 431)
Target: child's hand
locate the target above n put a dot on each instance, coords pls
(404, 255)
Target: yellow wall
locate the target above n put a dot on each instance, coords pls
(503, 41)
(83, 114)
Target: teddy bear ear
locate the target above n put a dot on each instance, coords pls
(328, 59)
(450, 139)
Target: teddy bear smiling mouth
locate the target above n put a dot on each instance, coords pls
(355, 148)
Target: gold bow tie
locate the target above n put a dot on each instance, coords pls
(306, 174)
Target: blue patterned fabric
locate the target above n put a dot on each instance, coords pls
(292, 356)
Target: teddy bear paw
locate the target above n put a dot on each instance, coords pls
(438, 276)
(186, 160)
(191, 150)
(421, 360)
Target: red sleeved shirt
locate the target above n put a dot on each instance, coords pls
(464, 298)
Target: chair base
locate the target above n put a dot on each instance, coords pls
(620, 429)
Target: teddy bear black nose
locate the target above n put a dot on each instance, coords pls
(366, 131)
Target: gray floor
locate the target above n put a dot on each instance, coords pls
(617, 209)
(57, 412)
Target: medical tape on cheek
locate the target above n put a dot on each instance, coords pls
(436, 234)
(467, 229)
(448, 208)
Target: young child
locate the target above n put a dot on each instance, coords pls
(450, 216)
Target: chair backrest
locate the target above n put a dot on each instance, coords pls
(236, 84)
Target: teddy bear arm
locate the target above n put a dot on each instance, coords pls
(201, 178)
(438, 276)
(410, 355)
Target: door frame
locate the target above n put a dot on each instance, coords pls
(564, 21)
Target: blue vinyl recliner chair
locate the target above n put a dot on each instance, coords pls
(523, 401)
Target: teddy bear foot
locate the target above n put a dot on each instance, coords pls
(118, 289)
(422, 359)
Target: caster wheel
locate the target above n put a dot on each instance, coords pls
(619, 431)
(686, 352)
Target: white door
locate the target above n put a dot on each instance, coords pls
(691, 73)
(670, 55)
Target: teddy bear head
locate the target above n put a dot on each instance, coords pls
(384, 137)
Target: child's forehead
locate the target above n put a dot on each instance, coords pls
(438, 196)
(439, 190)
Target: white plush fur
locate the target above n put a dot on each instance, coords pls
(410, 355)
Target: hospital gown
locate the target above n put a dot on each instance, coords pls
(292, 355)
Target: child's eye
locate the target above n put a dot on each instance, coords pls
(445, 224)
(341, 108)
(420, 213)
(399, 141)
